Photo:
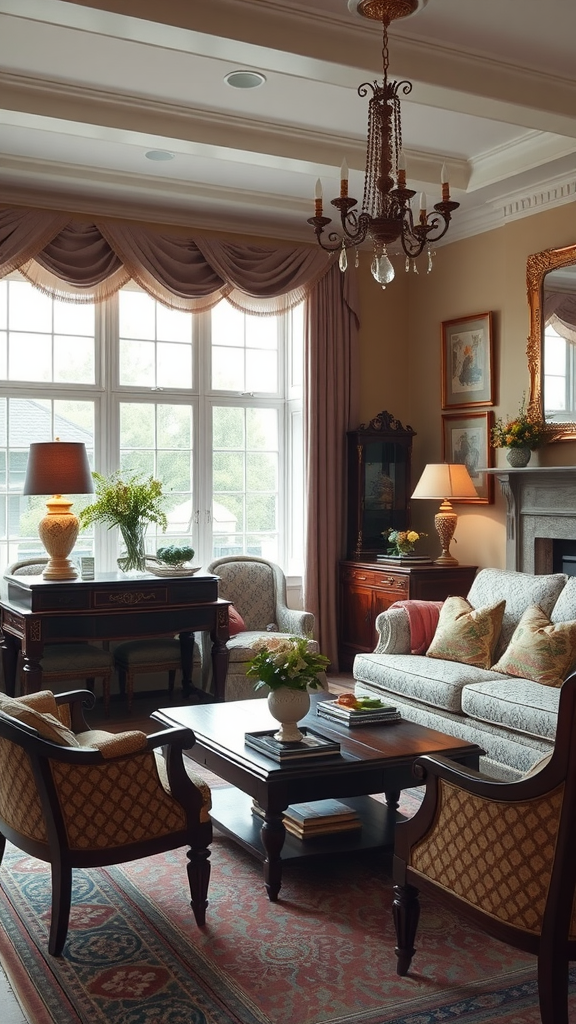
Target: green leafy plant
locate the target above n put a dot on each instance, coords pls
(172, 554)
(523, 431)
(402, 542)
(125, 502)
(286, 662)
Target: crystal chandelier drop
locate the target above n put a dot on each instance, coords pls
(386, 216)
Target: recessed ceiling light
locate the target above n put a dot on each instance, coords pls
(245, 79)
(159, 154)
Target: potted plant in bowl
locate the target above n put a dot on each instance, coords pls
(172, 560)
(130, 505)
(288, 668)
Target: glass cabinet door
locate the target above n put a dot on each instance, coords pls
(378, 486)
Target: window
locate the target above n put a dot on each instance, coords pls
(211, 404)
(559, 377)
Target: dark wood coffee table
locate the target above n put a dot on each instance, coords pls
(372, 759)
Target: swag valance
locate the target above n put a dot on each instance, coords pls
(560, 313)
(87, 261)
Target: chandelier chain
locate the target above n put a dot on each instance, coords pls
(386, 215)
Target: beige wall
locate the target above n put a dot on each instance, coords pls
(400, 354)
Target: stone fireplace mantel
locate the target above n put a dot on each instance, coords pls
(540, 509)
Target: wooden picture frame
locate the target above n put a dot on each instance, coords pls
(467, 362)
(466, 439)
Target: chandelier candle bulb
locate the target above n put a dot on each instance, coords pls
(318, 198)
(344, 180)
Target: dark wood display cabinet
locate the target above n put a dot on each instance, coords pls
(379, 460)
(368, 588)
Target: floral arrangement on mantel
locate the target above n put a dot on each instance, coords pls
(286, 662)
(129, 504)
(402, 542)
(523, 431)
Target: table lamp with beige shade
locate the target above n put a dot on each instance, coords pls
(444, 482)
(58, 468)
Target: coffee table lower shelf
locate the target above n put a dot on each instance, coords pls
(232, 814)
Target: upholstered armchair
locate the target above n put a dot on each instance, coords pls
(257, 590)
(501, 854)
(75, 797)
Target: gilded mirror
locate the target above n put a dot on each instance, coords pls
(551, 283)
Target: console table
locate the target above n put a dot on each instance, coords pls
(34, 611)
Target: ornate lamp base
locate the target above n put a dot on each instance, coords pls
(445, 522)
(58, 531)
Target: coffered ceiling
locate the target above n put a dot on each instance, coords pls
(89, 87)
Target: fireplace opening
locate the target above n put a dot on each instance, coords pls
(564, 556)
(557, 555)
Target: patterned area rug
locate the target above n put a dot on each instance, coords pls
(324, 954)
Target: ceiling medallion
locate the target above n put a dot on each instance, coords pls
(386, 215)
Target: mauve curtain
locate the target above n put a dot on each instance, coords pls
(87, 261)
(330, 395)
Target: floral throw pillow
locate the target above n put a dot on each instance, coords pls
(466, 634)
(539, 649)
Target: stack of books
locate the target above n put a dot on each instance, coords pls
(349, 716)
(320, 818)
(312, 745)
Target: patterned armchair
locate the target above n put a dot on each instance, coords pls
(75, 797)
(501, 854)
(257, 590)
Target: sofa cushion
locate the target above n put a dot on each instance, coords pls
(241, 646)
(539, 650)
(430, 681)
(465, 634)
(565, 607)
(236, 622)
(519, 590)
(520, 705)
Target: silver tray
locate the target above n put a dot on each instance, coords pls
(158, 569)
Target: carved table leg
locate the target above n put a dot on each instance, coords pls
(392, 799)
(220, 635)
(9, 647)
(273, 835)
(187, 660)
(406, 912)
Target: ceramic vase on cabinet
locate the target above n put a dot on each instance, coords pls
(288, 707)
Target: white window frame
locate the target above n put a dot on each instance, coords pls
(108, 394)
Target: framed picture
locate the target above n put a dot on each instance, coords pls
(466, 439)
(467, 358)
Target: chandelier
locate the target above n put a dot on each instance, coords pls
(386, 216)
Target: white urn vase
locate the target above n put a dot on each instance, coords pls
(288, 707)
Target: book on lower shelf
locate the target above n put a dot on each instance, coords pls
(312, 745)
(316, 818)
(313, 831)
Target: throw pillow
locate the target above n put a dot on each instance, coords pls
(539, 650)
(47, 726)
(466, 634)
(237, 624)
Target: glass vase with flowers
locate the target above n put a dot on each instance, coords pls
(130, 505)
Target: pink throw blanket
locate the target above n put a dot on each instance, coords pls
(422, 619)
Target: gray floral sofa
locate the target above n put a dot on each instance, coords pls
(513, 719)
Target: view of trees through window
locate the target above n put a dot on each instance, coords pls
(210, 404)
